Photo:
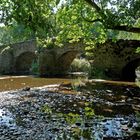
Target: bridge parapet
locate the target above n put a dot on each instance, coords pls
(22, 47)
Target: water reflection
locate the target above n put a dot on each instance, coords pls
(18, 82)
(95, 111)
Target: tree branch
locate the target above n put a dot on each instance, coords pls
(97, 8)
(95, 20)
(104, 20)
(88, 20)
(125, 28)
(93, 4)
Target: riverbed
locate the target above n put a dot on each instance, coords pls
(97, 110)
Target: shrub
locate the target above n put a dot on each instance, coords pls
(34, 68)
(80, 65)
(98, 73)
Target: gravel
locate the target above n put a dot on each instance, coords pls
(44, 114)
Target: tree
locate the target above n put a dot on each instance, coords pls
(73, 20)
(48, 18)
(122, 15)
(14, 34)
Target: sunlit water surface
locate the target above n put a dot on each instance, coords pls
(103, 110)
(18, 82)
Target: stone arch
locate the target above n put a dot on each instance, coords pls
(64, 61)
(128, 71)
(23, 62)
(55, 64)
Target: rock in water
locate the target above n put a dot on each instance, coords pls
(26, 88)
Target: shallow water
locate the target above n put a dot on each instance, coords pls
(18, 82)
(101, 110)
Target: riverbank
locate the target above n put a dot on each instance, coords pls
(51, 112)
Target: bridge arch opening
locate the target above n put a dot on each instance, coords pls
(23, 62)
(129, 71)
(65, 60)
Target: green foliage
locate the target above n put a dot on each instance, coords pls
(48, 19)
(14, 34)
(98, 73)
(35, 68)
(46, 43)
(88, 110)
(117, 12)
(47, 109)
(78, 82)
(33, 14)
(74, 27)
(80, 65)
(127, 36)
(138, 50)
(63, 20)
(72, 118)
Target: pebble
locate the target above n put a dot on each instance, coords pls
(30, 122)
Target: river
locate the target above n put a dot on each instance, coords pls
(100, 110)
(18, 82)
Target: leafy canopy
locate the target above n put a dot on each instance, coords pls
(72, 20)
(121, 15)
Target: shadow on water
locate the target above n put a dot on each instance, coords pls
(100, 111)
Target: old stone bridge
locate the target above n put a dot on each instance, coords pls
(18, 58)
(118, 59)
